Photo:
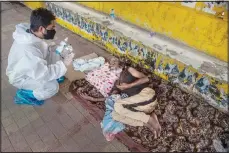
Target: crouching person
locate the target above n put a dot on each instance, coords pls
(29, 66)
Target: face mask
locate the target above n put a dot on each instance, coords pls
(50, 34)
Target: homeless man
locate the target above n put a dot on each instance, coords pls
(138, 106)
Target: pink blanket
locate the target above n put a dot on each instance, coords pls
(103, 78)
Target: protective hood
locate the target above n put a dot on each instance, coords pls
(22, 37)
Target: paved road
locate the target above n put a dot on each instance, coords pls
(58, 125)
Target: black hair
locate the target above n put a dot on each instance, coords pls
(40, 17)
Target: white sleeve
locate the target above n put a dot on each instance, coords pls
(38, 69)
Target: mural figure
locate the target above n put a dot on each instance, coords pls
(121, 44)
(60, 12)
(183, 76)
(111, 39)
(224, 99)
(104, 35)
(124, 46)
(202, 85)
(142, 51)
(80, 22)
(53, 8)
(65, 15)
(172, 71)
(49, 6)
(57, 11)
(209, 8)
(187, 78)
(188, 3)
(160, 69)
(86, 27)
(76, 19)
(90, 27)
(134, 49)
(97, 28)
(129, 45)
(191, 80)
(68, 15)
(150, 60)
(217, 94)
(139, 53)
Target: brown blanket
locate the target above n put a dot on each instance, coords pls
(188, 124)
(97, 111)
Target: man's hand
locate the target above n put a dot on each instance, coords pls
(85, 96)
(123, 86)
(52, 47)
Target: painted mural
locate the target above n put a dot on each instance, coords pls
(214, 7)
(201, 30)
(189, 3)
(162, 65)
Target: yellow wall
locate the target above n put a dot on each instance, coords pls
(200, 30)
(34, 5)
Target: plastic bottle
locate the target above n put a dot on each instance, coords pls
(112, 15)
(62, 45)
(67, 50)
(62, 50)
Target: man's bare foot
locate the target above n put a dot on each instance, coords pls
(152, 129)
(154, 125)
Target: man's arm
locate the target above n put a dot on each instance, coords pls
(98, 99)
(141, 77)
(38, 69)
(86, 97)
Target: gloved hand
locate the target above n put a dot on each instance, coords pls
(52, 47)
(68, 59)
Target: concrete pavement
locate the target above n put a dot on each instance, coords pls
(60, 124)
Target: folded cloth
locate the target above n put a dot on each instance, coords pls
(109, 126)
(26, 97)
(88, 65)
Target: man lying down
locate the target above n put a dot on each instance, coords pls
(127, 97)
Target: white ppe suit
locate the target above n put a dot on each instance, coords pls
(31, 66)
